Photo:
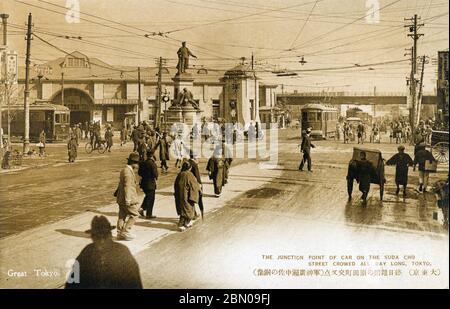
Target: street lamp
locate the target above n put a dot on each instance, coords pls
(165, 98)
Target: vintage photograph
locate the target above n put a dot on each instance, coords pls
(224, 144)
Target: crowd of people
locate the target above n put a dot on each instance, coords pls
(188, 189)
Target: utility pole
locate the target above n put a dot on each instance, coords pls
(160, 62)
(158, 95)
(26, 100)
(419, 104)
(413, 83)
(139, 96)
(4, 18)
(62, 89)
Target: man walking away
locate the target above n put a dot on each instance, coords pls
(216, 171)
(365, 172)
(306, 149)
(196, 172)
(421, 157)
(402, 161)
(104, 264)
(186, 192)
(149, 173)
(127, 198)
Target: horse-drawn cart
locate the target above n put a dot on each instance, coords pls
(439, 146)
(373, 156)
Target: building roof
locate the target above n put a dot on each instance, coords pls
(96, 69)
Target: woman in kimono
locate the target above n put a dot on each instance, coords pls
(402, 161)
(186, 192)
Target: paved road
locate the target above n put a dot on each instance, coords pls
(300, 213)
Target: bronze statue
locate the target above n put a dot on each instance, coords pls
(184, 98)
(183, 58)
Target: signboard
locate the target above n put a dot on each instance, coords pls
(97, 116)
(110, 114)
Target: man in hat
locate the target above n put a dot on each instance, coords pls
(164, 156)
(306, 149)
(402, 161)
(104, 264)
(421, 156)
(186, 192)
(127, 198)
(109, 137)
(149, 175)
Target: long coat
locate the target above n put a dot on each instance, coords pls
(109, 137)
(72, 149)
(401, 161)
(187, 194)
(126, 190)
(217, 172)
(421, 156)
(149, 173)
(107, 265)
(163, 145)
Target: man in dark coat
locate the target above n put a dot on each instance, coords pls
(149, 173)
(216, 169)
(402, 161)
(306, 149)
(104, 264)
(164, 146)
(365, 173)
(422, 155)
(109, 138)
(196, 172)
(186, 192)
(72, 150)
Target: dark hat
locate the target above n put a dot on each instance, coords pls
(186, 166)
(150, 151)
(133, 157)
(401, 148)
(100, 226)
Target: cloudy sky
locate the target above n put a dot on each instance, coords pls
(346, 48)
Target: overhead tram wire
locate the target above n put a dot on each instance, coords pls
(146, 35)
(232, 18)
(304, 24)
(95, 64)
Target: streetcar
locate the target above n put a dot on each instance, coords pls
(54, 119)
(321, 119)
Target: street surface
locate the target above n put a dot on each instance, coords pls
(46, 207)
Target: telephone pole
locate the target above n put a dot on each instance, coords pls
(413, 82)
(4, 18)
(160, 63)
(26, 100)
(62, 88)
(419, 104)
(139, 96)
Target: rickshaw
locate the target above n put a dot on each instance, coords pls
(439, 146)
(373, 156)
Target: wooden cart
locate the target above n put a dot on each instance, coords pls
(439, 146)
(373, 156)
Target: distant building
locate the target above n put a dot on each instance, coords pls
(96, 90)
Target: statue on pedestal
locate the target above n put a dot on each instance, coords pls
(185, 98)
(183, 58)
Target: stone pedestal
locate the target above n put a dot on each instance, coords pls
(179, 113)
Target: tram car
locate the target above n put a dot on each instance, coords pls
(321, 119)
(54, 119)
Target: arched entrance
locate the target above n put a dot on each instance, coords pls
(79, 102)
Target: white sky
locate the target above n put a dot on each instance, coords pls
(328, 33)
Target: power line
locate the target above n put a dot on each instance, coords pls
(304, 24)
